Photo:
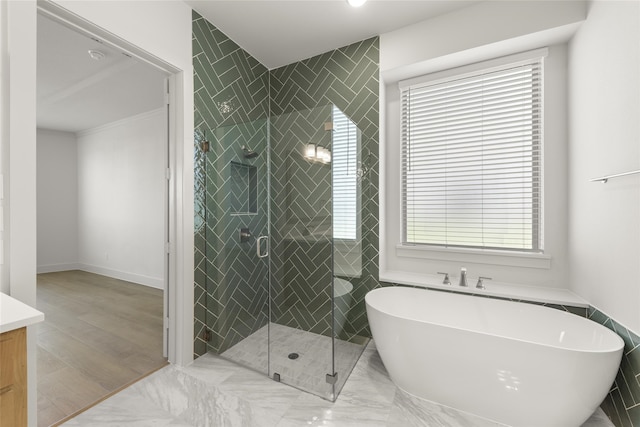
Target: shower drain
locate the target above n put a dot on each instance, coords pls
(293, 356)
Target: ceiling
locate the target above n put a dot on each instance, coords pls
(75, 92)
(278, 33)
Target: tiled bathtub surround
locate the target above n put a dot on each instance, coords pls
(622, 405)
(580, 311)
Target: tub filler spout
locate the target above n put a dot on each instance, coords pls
(463, 278)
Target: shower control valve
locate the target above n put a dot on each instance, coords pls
(245, 235)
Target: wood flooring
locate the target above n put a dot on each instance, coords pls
(99, 335)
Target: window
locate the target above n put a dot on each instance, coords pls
(345, 146)
(471, 159)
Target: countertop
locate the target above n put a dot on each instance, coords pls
(15, 314)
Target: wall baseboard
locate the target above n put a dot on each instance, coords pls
(53, 268)
(152, 282)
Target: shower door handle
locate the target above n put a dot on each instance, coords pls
(259, 247)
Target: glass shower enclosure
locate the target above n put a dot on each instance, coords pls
(282, 202)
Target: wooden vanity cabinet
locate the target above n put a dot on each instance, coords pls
(13, 378)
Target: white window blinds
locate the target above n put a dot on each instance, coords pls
(344, 146)
(471, 160)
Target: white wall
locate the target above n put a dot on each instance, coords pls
(440, 44)
(483, 31)
(18, 146)
(57, 200)
(121, 201)
(604, 129)
(4, 137)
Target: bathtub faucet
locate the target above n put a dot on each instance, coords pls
(446, 280)
(480, 284)
(463, 277)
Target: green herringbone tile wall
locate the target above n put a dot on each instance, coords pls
(231, 110)
(301, 195)
(232, 107)
(301, 97)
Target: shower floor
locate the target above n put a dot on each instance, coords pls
(308, 371)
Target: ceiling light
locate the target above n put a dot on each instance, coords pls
(96, 55)
(356, 3)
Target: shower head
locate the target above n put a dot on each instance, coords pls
(248, 152)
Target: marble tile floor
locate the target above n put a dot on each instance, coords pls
(216, 392)
(314, 361)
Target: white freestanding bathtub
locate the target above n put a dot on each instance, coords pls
(515, 363)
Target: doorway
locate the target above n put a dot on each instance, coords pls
(103, 218)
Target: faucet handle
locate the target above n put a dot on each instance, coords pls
(446, 280)
(480, 284)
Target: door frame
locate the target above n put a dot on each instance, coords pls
(170, 308)
(114, 22)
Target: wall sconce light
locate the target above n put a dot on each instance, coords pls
(356, 3)
(310, 151)
(317, 153)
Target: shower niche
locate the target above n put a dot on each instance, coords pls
(243, 189)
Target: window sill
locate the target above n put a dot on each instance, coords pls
(494, 257)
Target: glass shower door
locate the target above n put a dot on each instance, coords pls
(348, 170)
(316, 178)
(237, 214)
(301, 321)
